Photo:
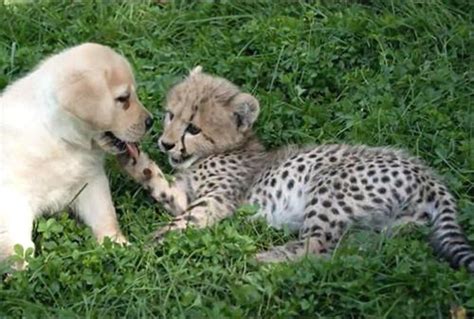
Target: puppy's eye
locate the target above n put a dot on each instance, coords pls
(169, 115)
(193, 129)
(123, 98)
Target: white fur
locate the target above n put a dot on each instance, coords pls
(46, 157)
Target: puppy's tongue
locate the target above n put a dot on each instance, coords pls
(132, 150)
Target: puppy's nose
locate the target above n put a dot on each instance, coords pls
(148, 122)
(167, 146)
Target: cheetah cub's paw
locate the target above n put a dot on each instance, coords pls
(140, 168)
(196, 217)
(176, 225)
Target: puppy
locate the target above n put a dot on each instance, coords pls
(56, 125)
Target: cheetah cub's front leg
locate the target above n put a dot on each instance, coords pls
(145, 172)
(202, 212)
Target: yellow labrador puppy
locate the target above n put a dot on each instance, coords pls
(56, 124)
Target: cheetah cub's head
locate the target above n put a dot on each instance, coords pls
(205, 115)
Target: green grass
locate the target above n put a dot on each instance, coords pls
(383, 73)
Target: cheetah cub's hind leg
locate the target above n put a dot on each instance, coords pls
(324, 223)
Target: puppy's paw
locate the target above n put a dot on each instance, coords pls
(120, 239)
(116, 238)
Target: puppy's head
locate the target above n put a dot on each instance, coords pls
(95, 85)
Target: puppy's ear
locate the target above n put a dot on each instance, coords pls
(245, 109)
(85, 95)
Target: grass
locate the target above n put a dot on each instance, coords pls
(374, 72)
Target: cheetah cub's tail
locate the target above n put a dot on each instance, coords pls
(448, 238)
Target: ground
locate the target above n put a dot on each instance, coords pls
(372, 72)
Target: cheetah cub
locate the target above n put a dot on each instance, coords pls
(317, 191)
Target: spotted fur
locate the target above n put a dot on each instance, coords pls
(317, 191)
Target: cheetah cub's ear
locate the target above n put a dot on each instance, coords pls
(196, 70)
(246, 109)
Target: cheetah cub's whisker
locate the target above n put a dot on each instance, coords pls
(317, 191)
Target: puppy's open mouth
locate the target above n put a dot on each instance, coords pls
(120, 146)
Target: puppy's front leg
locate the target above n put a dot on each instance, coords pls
(94, 206)
(16, 224)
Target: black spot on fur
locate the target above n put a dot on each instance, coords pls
(326, 203)
(148, 173)
(377, 200)
(323, 217)
(273, 182)
(291, 184)
(328, 236)
(354, 188)
(347, 210)
(311, 214)
(431, 196)
(339, 196)
(396, 195)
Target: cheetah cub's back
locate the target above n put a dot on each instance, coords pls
(318, 191)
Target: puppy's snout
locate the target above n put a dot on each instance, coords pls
(167, 146)
(148, 122)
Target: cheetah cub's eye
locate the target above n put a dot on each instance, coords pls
(193, 129)
(169, 116)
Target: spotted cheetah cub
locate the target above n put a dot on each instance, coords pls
(317, 191)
